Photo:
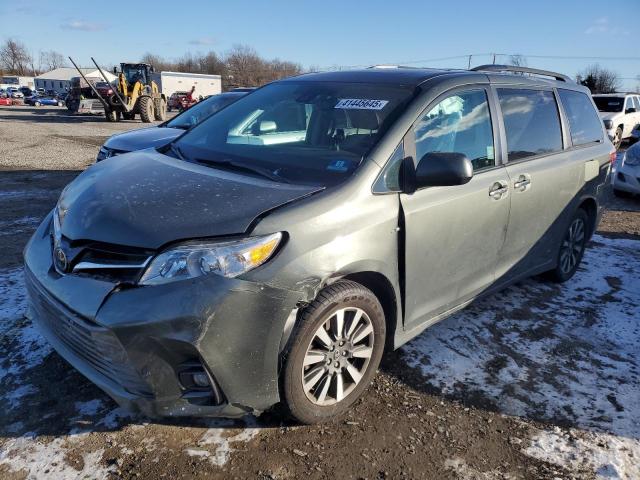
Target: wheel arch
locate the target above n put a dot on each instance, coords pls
(383, 289)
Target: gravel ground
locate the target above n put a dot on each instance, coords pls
(539, 381)
(49, 138)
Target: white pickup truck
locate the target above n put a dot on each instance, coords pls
(620, 113)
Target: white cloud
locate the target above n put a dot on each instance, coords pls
(603, 26)
(203, 41)
(83, 25)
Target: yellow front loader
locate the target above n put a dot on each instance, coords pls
(135, 93)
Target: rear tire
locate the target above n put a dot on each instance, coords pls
(160, 110)
(37, 104)
(146, 109)
(129, 115)
(333, 353)
(60, 104)
(571, 248)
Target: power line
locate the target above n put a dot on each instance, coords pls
(494, 55)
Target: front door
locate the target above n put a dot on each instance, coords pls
(453, 234)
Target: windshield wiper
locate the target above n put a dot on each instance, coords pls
(181, 126)
(231, 165)
(175, 149)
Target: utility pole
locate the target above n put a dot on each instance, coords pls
(469, 64)
(494, 58)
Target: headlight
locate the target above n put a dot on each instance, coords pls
(608, 124)
(228, 259)
(631, 157)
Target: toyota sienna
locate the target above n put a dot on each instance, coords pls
(271, 253)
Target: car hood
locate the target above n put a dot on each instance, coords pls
(146, 199)
(608, 115)
(143, 138)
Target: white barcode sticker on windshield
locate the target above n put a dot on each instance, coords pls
(361, 104)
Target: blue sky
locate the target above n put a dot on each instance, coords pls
(338, 33)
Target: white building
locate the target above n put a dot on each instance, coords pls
(16, 81)
(205, 85)
(59, 79)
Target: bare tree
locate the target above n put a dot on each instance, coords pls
(15, 58)
(600, 80)
(50, 60)
(240, 66)
(518, 60)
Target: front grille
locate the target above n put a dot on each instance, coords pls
(96, 346)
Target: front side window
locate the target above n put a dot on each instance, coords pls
(460, 123)
(584, 122)
(298, 131)
(531, 122)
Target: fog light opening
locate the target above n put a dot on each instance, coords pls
(199, 386)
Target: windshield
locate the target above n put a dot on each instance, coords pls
(201, 110)
(303, 132)
(609, 104)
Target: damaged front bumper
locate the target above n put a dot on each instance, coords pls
(142, 344)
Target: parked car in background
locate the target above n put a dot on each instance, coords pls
(14, 92)
(167, 131)
(39, 100)
(272, 252)
(105, 89)
(5, 101)
(620, 113)
(635, 133)
(27, 92)
(626, 178)
(176, 100)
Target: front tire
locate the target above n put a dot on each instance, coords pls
(571, 248)
(617, 138)
(110, 115)
(146, 109)
(333, 353)
(37, 104)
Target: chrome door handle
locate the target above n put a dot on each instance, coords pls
(498, 190)
(521, 183)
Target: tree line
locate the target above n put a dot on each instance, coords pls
(241, 66)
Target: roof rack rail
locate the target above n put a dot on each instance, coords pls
(514, 69)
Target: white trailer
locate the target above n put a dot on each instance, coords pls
(16, 81)
(170, 82)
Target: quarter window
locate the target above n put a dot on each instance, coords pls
(531, 122)
(584, 122)
(460, 123)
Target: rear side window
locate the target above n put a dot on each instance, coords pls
(584, 122)
(531, 122)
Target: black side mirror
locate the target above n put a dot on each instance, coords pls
(443, 169)
(630, 110)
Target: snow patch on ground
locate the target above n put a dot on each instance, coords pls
(565, 354)
(41, 458)
(466, 472)
(217, 442)
(608, 456)
(24, 346)
(549, 351)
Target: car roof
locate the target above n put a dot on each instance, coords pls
(414, 77)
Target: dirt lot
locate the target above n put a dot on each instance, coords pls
(539, 381)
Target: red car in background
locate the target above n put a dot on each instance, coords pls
(6, 101)
(104, 89)
(177, 100)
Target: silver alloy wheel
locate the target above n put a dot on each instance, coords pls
(337, 356)
(617, 138)
(572, 246)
